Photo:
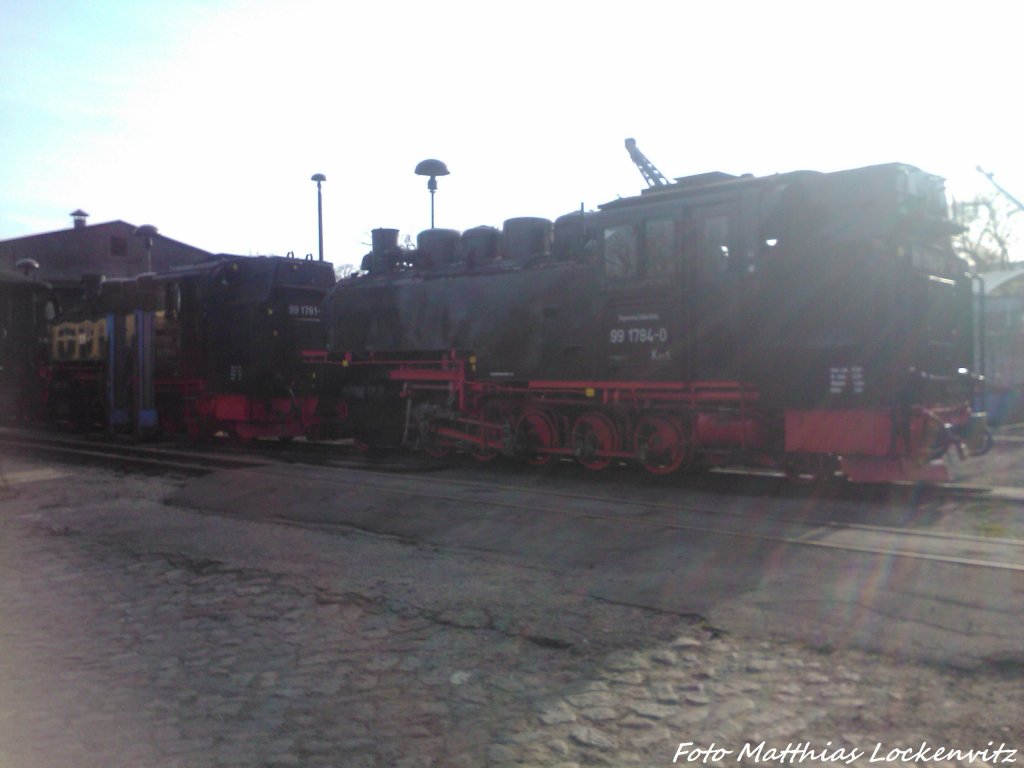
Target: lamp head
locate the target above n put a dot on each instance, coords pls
(431, 168)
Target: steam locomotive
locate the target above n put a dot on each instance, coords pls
(810, 322)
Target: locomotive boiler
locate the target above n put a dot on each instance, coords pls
(810, 322)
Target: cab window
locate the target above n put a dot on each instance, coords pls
(627, 254)
(659, 247)
(715, 256)
(621, 252)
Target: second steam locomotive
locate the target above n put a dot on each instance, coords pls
(810, 322)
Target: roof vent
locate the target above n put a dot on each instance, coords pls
(79, 218)
(27, 266)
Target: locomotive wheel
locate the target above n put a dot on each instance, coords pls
(536, 431)
(198, 428)
(432, 444)
(435, 449)
(661, 443)
(594, 433)
(490, 415)
(480, 453)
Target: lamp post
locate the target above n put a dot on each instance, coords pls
(147, 231)
(318, 178)
(433, 169)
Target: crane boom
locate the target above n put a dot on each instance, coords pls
(651, 174)
(991, 177)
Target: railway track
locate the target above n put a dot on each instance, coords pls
(492, 498)
(938, 546)
(203, 458)
(126, 455)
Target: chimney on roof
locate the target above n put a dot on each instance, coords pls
(79, 218)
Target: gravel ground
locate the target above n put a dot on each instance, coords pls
(135, 634)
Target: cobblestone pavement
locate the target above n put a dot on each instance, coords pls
(133, 634)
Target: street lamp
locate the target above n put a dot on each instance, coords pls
(147, 231)
(318, 178)
(433, 169)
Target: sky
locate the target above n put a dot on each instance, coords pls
(207, 118)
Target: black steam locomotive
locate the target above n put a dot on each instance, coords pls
(806, 321)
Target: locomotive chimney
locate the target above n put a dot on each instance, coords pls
(384, 241)
(79, 218)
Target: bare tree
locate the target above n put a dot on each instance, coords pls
(988, 234)
(342, 271)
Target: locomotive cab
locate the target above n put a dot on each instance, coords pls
(866, 332)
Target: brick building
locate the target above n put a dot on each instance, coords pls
(111, 249)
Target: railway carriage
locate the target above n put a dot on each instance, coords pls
(805, 321)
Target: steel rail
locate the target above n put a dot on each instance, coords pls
(810, 529)
(808, 534)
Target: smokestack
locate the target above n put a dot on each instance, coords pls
(79, 218)
(384, 241)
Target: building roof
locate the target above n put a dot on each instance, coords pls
(997, 281)
(109, 248)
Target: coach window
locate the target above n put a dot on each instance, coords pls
(715, 254)
(659, 247)
(621, 251)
